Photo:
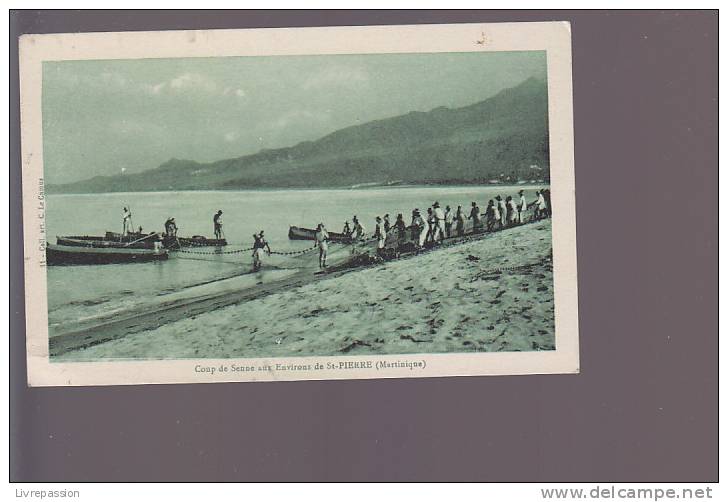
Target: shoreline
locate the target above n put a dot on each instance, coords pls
(399, 293)
(528, 184)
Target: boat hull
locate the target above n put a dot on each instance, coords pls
(77, 255)
(89, 241)
(307, 234)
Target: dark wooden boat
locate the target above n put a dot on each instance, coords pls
(307, 234)
(195, 240)
(88, 255)
(111, 240)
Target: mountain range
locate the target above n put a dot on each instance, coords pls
(501, 139)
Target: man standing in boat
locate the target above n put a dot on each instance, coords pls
(170, 227)
(126, 219)
(217, 224)
(258, 246)
(322, 237)
(358, 229)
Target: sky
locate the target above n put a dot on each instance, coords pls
(105, 117)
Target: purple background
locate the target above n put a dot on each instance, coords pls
(645, 406)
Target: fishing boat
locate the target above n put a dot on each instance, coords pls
(171, 242)
(90, 255)
(307, 234)
(111, 240)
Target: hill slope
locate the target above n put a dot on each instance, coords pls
(498, 138)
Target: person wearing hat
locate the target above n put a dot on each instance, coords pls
(475, 216)
(522, 207)
(258, 246)
(322, 237)
(414, 226)
(438, 233)
(419, 223)
(431, 226)
(387, 224)
(217, 224)
(381, 235)
(502, 210)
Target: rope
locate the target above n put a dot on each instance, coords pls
(236, 263)
(292, 253)
(216, 252)
(238, 251)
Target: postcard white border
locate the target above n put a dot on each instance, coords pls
(553, 37)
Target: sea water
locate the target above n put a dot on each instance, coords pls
(85, 292)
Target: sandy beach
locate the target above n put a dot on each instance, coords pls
(491, 294)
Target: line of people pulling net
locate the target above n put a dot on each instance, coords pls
(424, 230)
(437, 225)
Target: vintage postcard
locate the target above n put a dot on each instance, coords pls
(299, 204)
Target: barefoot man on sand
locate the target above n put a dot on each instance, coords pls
(258, 246)
(322, 236)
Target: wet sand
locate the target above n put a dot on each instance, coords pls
(490, 294)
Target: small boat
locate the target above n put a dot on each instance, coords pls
(88, 255)
(195, 240)
(111, 240)
(307, 234)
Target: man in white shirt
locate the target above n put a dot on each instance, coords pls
(322, 236)
(126, 218)
(419, 222)
(381, 235)
(503, 210)
(439, 230)
(522, 207)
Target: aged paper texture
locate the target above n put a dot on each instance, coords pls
(299, 204)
